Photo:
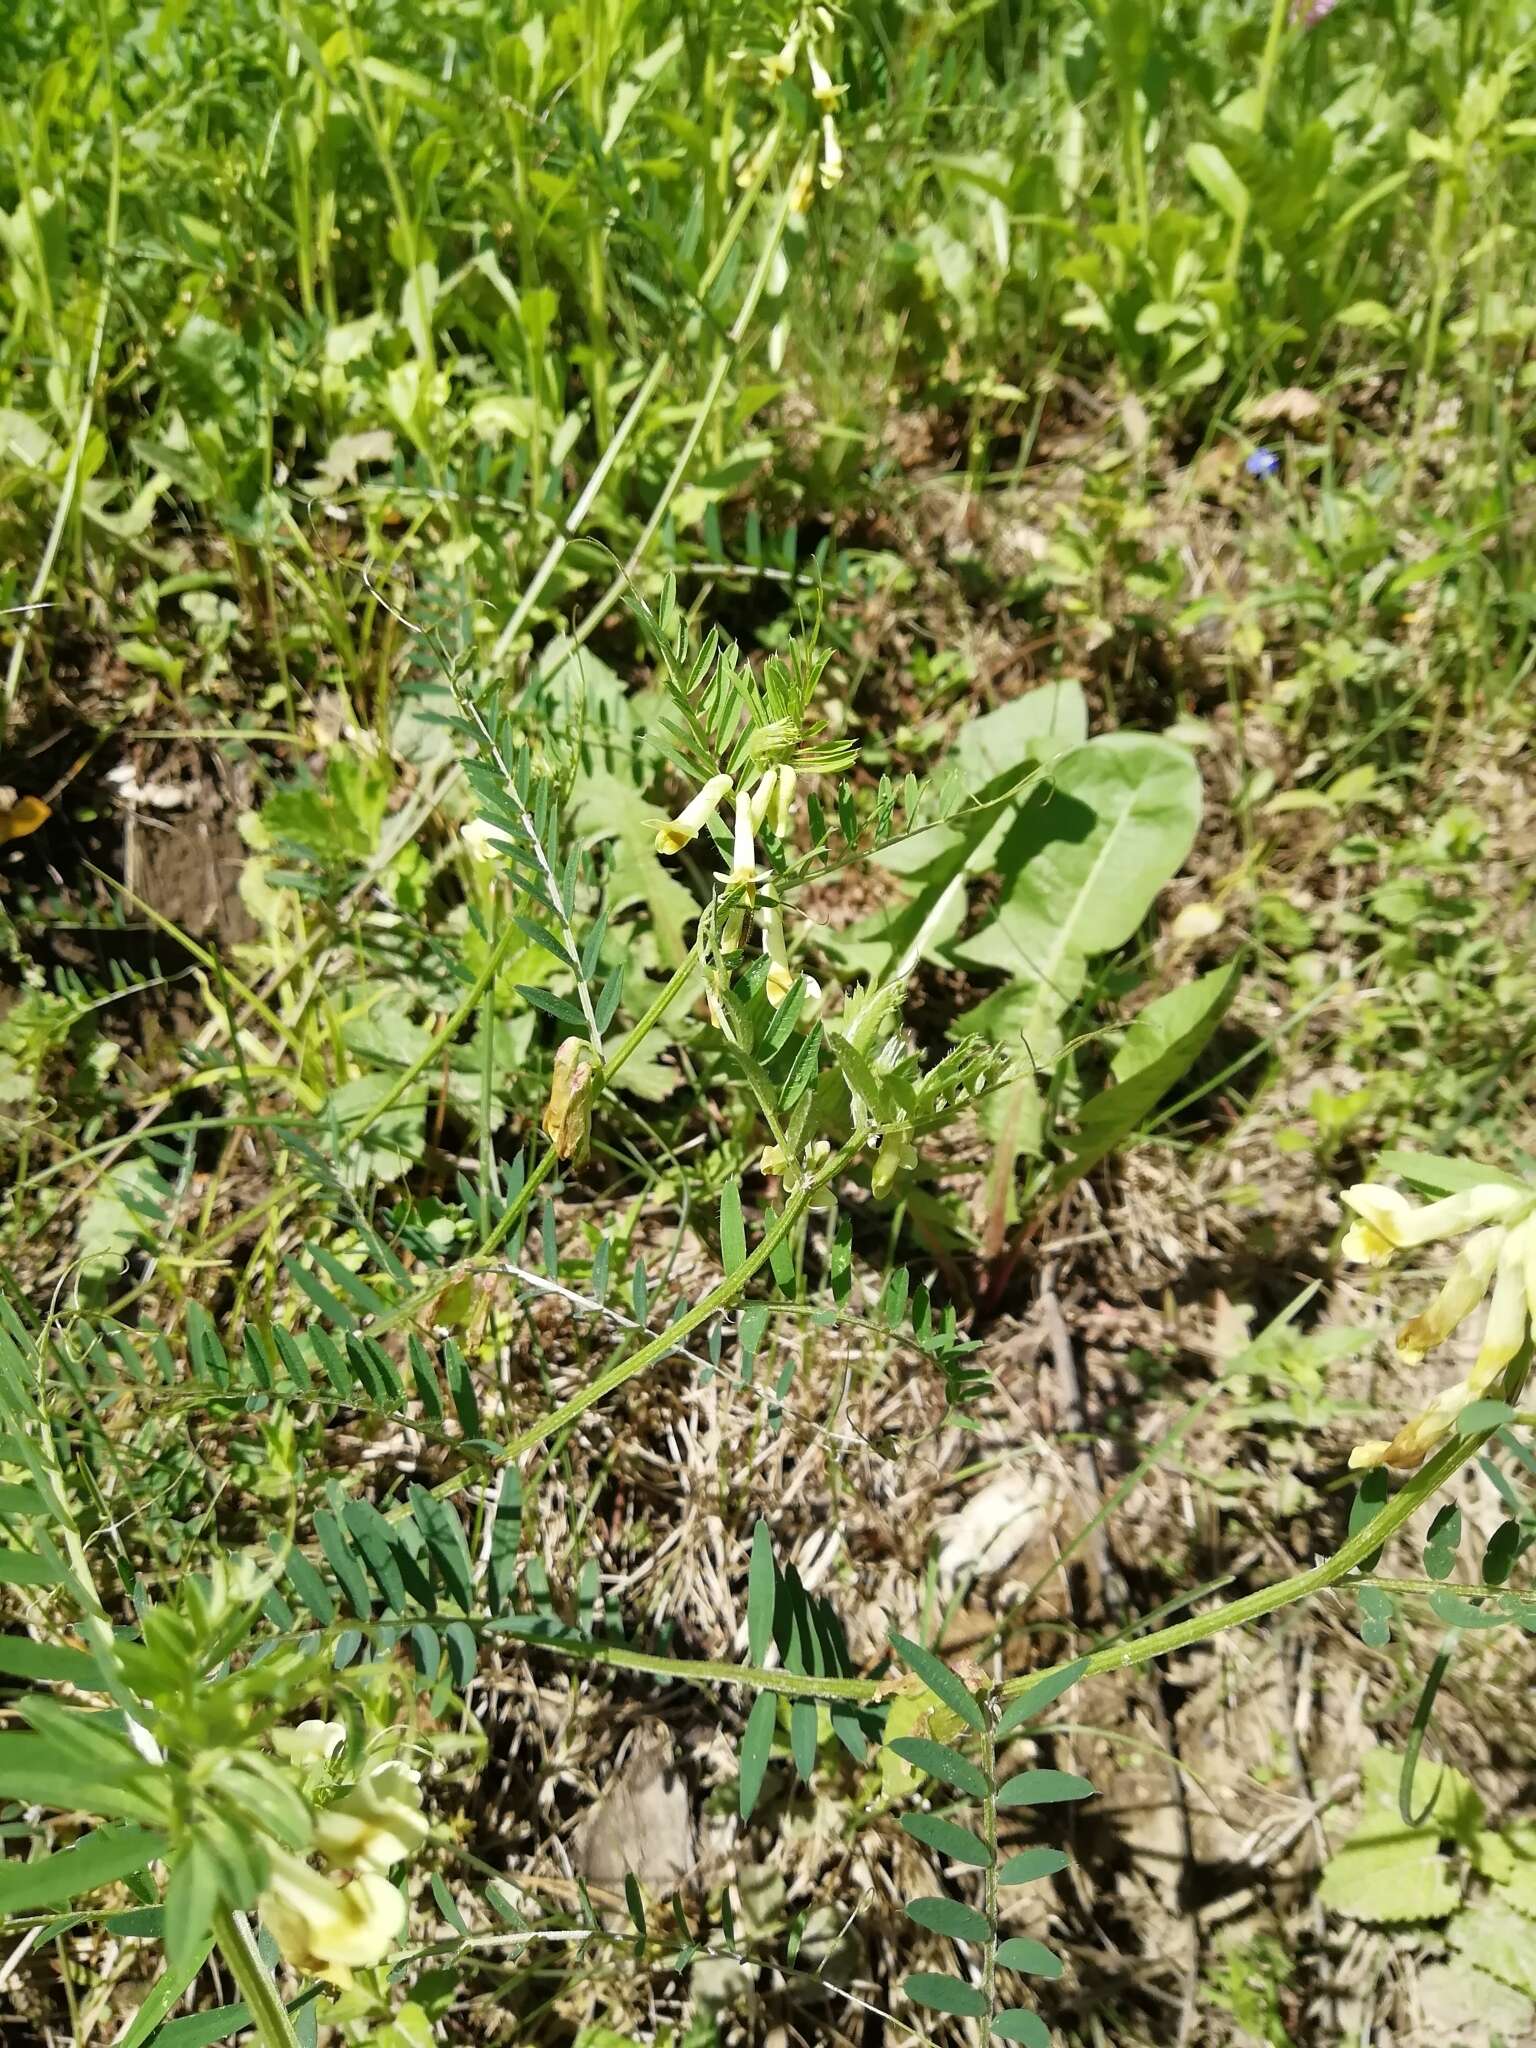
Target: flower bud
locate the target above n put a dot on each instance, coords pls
(897, 1152)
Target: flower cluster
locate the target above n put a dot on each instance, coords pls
(347, 1916)
(771, 800)
(779, 68)
(1501, 1253)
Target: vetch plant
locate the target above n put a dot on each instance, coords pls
(1501, 1212)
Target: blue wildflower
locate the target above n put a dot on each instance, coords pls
(1262, 462)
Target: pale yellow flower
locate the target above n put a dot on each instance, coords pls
(1463, 1291)
(1509, 1310)
(831, 154)
(376, 1824)
(823, 91)
(326, 1929)
(802, 189)
(690, 821)
(743, 872)
(1390, 1223)
(781, 976)
(311, 1742)
(781, 64)
(1416, 1439)
(1503, 1252)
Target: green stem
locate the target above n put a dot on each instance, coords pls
(1120, 1656)
(720, 1296)
(237, 1945)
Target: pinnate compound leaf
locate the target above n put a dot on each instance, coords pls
(949, 1916)
(1032, 1863)
(1027, 2028)
(945, 1994)
(947, 1765)
(940, 1681)
(1043, 1788)
(1040, 1695)
(945, 1838)
(1030, 1958)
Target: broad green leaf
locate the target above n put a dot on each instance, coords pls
(1163, 1043)
(950, 1917)
(947, 1765)
(1040, 1695)
(940, 1680)
(1386, 1873)
(947, 1839)
(1368, 313)
(98, 1859)
(1086, 859)
(1215, 176)
(1027, 2028)
(1043, 1788)
(756, 1747)
(907, 1713)
(1030, 1864)
(994, 765)
(945, 1994)
(1456, 1811)
(389, 1146)
(762, 1586)
(1030, 1958)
